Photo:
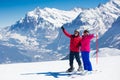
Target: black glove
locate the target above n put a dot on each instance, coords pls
(62, 28)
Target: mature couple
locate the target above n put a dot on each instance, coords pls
(79, 44)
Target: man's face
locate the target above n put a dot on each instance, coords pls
(86, 33)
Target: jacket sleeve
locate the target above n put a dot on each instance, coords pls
(80, 41)
(91, 36)
(66, 33)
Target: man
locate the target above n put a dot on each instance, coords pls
(75, 43)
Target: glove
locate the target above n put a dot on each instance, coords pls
(62, 28)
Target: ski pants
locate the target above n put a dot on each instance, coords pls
(86, 60)
(71, 58)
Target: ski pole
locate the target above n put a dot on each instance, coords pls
(97, 48)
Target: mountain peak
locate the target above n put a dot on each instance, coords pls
(100, 4)
(77, 9)
(37, 10)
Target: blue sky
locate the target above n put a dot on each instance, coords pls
(13, 10)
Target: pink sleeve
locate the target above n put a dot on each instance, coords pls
(91, 36)
(66, 33)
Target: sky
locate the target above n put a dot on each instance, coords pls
(12, 10)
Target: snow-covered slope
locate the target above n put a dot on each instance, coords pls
(108, 69)
(105, 52)
(38, 34)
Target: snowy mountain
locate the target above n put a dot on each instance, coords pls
(98, 19)
(33, 35)
(112, 37)
(38, 37)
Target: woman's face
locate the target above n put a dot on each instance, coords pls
(76, 33)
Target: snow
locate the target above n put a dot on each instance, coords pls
(0, 36)
(108, 68)
(24, 39)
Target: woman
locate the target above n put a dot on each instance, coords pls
(85, 50)
(75, 41)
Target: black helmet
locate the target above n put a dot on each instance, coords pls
(86, 31)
